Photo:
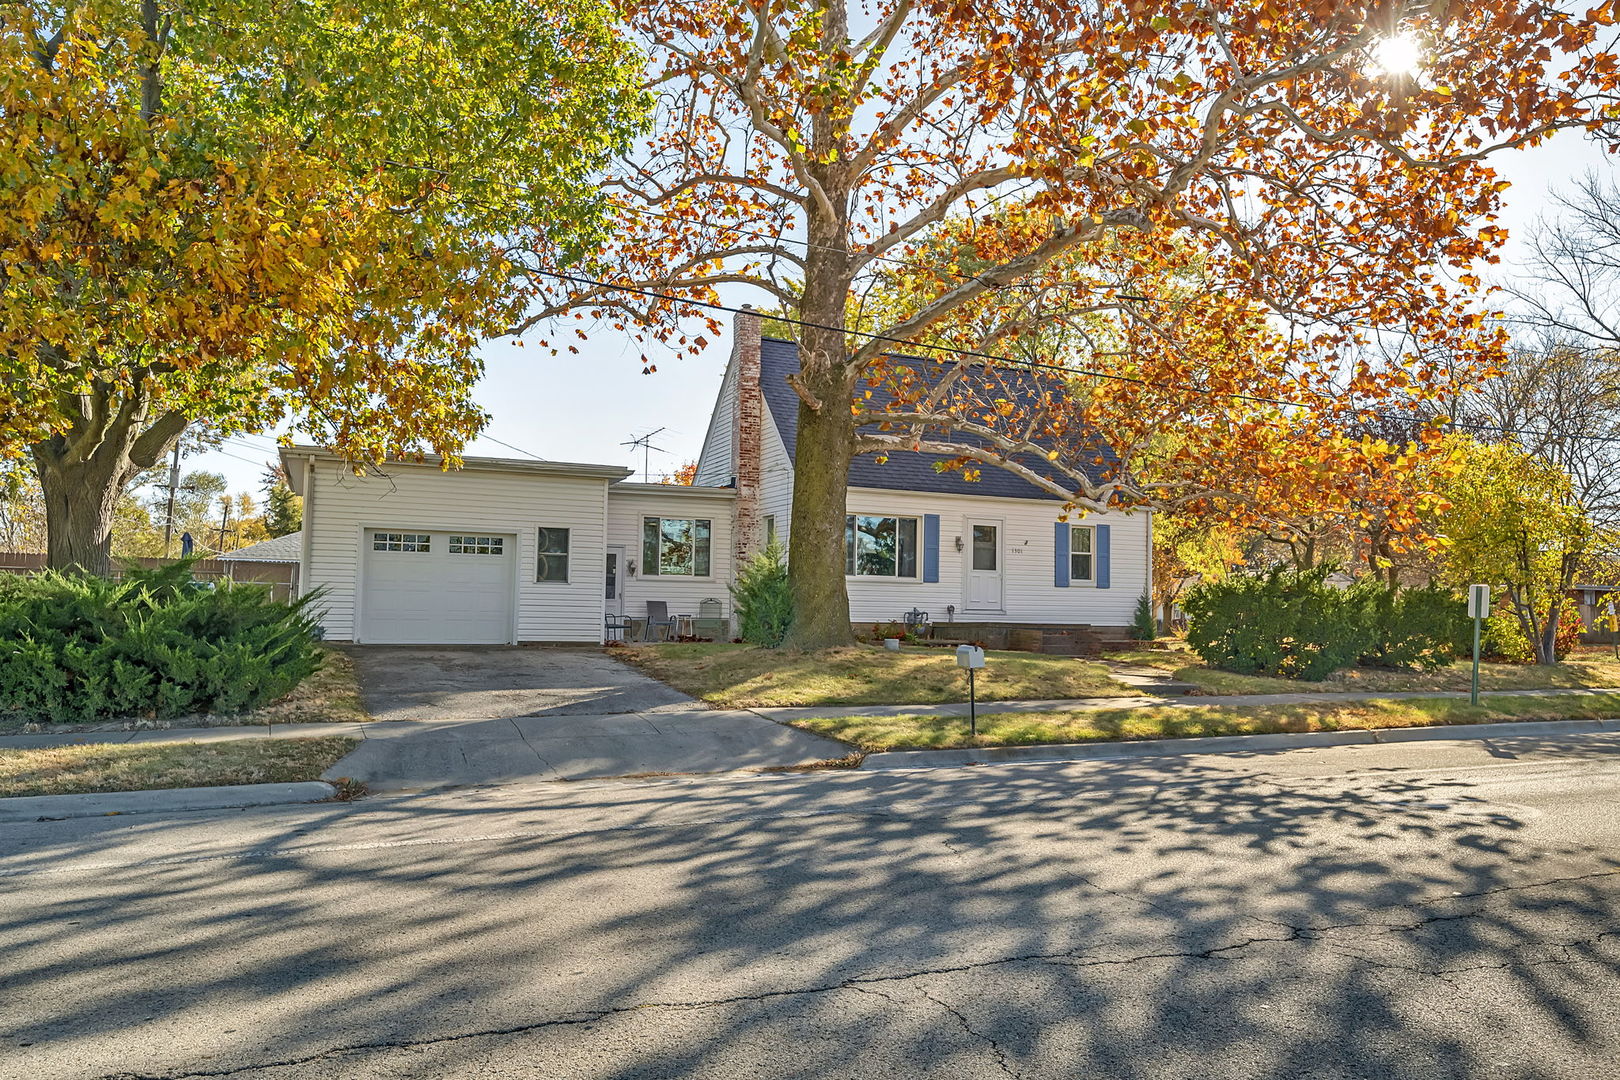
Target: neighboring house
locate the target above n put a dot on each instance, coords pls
(1595, 603)
(273, 562)
(514, 551)
(990, 550)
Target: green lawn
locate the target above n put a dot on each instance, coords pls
(873, 733)
(1588, 668)
(744, 676)
(96, 767)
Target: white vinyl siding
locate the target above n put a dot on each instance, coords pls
(1030, 596)
(629, 505)
(715, 465)
(475, 502)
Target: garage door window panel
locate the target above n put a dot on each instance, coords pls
(413, 542)
(553, 556)
(477, 545)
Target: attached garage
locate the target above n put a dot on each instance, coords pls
(432, 587)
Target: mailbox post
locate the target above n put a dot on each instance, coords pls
(1479, 606)
(972, 658)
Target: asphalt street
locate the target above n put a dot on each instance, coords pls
(1419, 910)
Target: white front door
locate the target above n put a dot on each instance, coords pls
(984, 584)
(615, 581)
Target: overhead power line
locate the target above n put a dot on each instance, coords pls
(1070, 371)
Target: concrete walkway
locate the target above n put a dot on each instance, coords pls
(791, 715)
(691, 721)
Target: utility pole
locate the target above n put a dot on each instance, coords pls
(174, 485)
(224, 520)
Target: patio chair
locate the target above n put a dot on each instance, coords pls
(614, 627)
(658, 620)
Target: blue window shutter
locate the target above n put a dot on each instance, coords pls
(1060, 562)
(1102, 557)
(930, 547)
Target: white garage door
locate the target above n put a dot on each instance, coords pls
(437, 588)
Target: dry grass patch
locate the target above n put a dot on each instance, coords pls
(1589, 668)
(745, 676)
(874, 733)
(99, 767)
(331, 695)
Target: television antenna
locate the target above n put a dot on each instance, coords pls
(645, 442)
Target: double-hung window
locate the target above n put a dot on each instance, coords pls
(1082, 562)
(880, 546)
(552, 560)
(675, 547)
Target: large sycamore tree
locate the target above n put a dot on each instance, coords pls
(1326, 160)
(248, 212)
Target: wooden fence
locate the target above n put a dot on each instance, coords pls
(282, 577)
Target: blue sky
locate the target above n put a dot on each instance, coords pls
(582, 408)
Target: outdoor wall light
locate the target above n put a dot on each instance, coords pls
(959, 544)
(630, 565)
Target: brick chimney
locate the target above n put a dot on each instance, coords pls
(747, 448)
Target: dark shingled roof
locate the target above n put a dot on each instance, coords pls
(905, 470)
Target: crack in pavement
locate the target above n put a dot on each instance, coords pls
(870, 984)
(989, 1040)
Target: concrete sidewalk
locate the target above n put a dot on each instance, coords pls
(668, 719)
(792, 715)
(1499, 734)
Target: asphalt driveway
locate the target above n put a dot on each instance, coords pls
(436, 683)
(457, 717)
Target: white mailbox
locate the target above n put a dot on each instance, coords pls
(1479, 601)
(969, 656)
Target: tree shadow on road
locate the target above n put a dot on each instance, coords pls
(1150, 918)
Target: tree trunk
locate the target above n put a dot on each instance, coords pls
(83, 472)
(820, 486)
(1546, 644)
(79, 502)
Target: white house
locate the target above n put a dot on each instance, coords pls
(508, 551)
(991, 550)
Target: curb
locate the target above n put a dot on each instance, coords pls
(165, 800)
(1228, 744)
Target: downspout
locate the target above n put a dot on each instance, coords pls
(306, 543)
(1151, 605)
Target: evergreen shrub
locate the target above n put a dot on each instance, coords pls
(157, 644)
(763, 599)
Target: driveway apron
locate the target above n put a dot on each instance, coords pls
(451, 717)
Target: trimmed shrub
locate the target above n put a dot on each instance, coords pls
(157, 644)
(763, 599)
(1410, 628)
(1144, 624)
(1286, 622)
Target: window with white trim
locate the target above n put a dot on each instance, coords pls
(876, 546)
(770, 528)
(552, 561)
(675, 547)
(477, 545)
(1081, 560)
(392, 541)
